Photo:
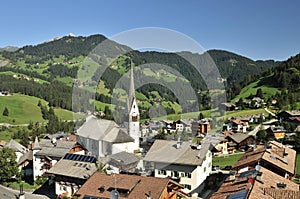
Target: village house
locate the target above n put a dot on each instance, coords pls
(101, 185)
(201, 128)
(258, 182)
(170, 126)
(26, 166)
(236, 126)
(274, 156)
(180, 160)
(291, 118)
(240, 141)
(287, 115)
(218, 141)
(71, 172)
(228, 106)
(19, 149)
(122, 162)
(46, 153)
(24, 158)
(187, 124)
(257, 102)
(276, 131)
(250, 119)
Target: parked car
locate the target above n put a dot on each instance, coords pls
(215, 167)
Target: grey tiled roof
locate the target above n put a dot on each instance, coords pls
(53, 152)
(107, 130)
(238, 137)
(72, 168)
(27, 156)
(165, 151)
(59, 149)
(16, 146)
(44, 143)
(124, 158)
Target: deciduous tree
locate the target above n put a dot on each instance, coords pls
(8, 164)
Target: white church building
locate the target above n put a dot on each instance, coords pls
(104, 137)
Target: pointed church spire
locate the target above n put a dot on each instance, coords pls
(131, 88)
(131, 92)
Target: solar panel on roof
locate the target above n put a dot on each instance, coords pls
(239, 195)
(67, 156)
(72, 157)
(81, 158)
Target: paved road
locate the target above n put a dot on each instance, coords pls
(12, 125)
(271, 113)
(6, 193)
(255, 130)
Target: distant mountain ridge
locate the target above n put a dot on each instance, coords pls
(9, 48)
(58, 61)
(232, 67)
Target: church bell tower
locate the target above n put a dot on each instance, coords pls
(133, 114)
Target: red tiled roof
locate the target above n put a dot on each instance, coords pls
(265, 187)
(281, 156)
(239, 122)
(250, 158)
(269, 187)
(137, 186)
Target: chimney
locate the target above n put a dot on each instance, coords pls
(53, 141)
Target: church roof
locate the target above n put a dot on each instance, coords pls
(106, 130)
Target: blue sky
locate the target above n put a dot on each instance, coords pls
(257, 29)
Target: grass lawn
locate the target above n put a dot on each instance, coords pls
(16, 185)
(298, 164)
(64, 114)
(207, 113)
(21, 108)
(174, 117)
(223, 161)
(246, 112)
(101, 105)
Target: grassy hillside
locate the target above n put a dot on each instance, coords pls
(23, 109)
(267, 90)
(63, 62)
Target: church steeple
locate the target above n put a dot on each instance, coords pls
(131, 92)
(132, 121)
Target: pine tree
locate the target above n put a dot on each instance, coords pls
(5, 112)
